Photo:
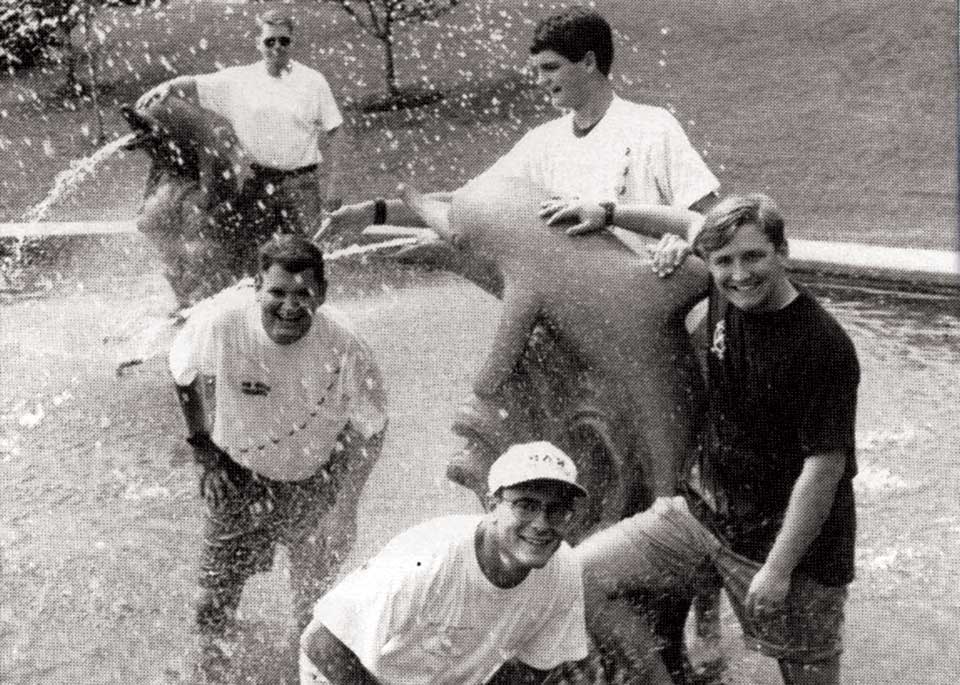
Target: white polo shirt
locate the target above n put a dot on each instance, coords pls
(280, 408)
(277, 119)
(422, 613)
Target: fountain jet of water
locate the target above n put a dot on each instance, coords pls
(65, 183)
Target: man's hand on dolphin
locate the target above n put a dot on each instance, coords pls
(669, 254)
(589, 216)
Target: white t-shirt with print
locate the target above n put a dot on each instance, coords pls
(277, 119)
(635, 153)
(422, 613)
(280, 408)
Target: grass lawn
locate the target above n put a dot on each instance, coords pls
(846, 115)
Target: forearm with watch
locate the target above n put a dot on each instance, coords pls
(653, 221)
(397, 213)
(394, 212)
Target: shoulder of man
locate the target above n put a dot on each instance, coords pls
(647, 116)
(344, 330)
(833, 339)
(215, 314)
(548, 129)
(233, 72)
(307, 72)
(437, 530)
(424, 546)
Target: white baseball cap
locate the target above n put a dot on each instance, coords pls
(533, 461)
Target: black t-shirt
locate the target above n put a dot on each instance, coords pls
(782, 386)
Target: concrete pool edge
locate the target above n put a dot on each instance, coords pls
(887, 268)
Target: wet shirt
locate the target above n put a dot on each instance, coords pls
(782, 386)
(280, 408)
(422, 613)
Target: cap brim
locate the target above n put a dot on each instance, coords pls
(577, 490)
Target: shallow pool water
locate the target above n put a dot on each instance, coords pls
(100, 524)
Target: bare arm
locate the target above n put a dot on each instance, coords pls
(191, 405)
(332, 658)
(349, 220)
(650, 220)
(810, 502)
(184, 87)
(656, 221)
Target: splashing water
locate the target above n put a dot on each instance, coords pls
(64, 184)
(67, 181)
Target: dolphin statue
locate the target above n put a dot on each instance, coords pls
(192, 202)
(612, 378)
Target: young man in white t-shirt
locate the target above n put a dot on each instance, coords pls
(298, 422)
(454, 599)
(284, 114)
(608, 152)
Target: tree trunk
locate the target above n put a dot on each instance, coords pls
(389, 69)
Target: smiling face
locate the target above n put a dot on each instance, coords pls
(273, 43)
(527, 525)
(288, 302)
(566, 83)
(751, 272)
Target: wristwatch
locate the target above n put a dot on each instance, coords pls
(608, 209)
(379, 211)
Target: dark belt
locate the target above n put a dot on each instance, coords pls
(270, 172)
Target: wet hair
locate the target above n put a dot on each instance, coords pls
(294, 254)
(722, 222)
(573, 33)
(276, 17)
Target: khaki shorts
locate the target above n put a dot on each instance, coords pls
(665, 548)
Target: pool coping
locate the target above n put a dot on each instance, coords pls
(894, 269)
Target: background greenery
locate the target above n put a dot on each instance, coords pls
(845, 113)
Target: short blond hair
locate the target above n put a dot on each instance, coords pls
(276, 17)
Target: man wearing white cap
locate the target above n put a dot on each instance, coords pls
(454, 599)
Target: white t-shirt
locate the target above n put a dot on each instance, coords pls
(422, 613)
(635, 153)
(280, 408)
(277, 119)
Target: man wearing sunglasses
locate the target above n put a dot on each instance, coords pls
(464, 599)
(284, 115)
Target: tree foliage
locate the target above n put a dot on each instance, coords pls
(381, 19)
(35, 29)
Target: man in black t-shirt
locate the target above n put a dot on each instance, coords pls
(768, 505)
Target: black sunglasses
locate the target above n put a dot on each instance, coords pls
(273, 40)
